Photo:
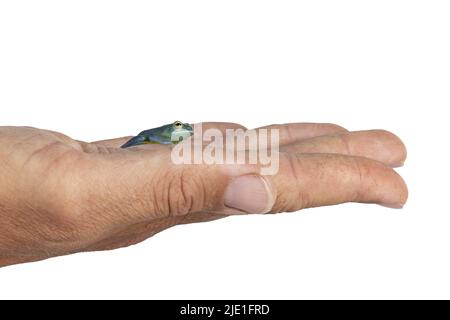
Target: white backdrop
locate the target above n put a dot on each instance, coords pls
(101, 69)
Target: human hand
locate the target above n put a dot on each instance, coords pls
(60, 196)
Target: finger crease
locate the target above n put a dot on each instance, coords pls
(345, 142)
(358, 192)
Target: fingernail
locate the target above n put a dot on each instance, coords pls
(398, 164)
(249, 194)
(393, 205)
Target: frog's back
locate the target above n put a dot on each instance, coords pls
(155, 131)
(160, 135)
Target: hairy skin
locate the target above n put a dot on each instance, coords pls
(60, 196)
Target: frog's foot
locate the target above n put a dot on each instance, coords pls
(136, 141)
(180, 139)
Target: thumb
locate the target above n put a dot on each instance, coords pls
(140, 185)
(248, 194)
(221, 189)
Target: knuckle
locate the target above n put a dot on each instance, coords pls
(294, 197)
(335, 128)
(179, 193)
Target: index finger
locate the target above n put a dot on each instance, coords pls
(295, 132)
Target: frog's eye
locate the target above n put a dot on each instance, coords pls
(178, 124)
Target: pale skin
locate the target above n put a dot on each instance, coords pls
(60, 196)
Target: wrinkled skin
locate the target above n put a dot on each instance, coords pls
(60, 196)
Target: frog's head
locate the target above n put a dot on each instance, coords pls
(180, 131)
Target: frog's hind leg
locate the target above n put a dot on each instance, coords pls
(136, 141)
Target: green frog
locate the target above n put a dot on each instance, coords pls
(168, 134)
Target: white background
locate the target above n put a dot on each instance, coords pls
(101, 69)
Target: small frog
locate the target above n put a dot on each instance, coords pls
(168, 134)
